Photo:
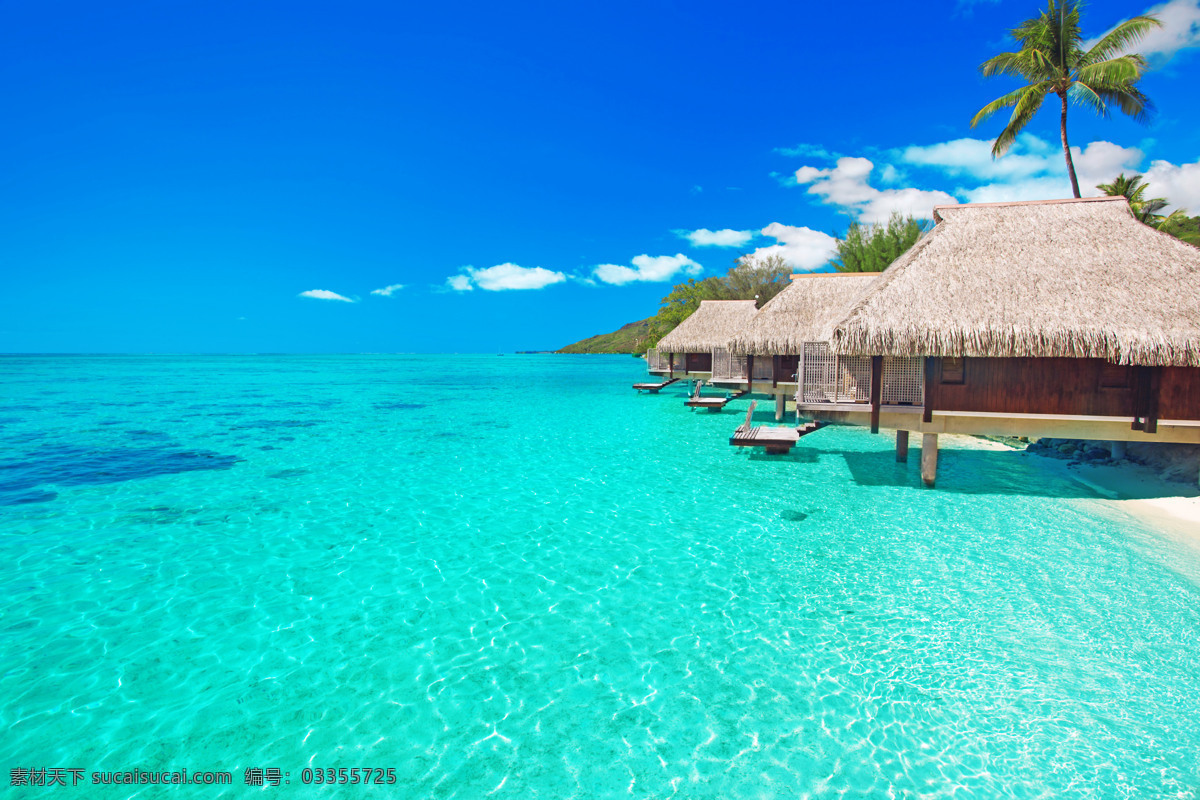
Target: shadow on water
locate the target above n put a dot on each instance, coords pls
(289, 473)
(145, 435)
(272, 424)
(961, 471)
(399, 406)
(66, 465)
(976, 472)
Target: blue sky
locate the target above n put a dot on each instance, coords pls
(221, 177)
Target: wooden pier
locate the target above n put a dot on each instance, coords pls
(713, 403)
(776, 441)
(653, 388)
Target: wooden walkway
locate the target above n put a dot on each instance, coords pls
(712, 403)
(653, 388)
(776, 441)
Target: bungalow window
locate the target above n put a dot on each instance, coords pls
(952, 370)
(1114, 376)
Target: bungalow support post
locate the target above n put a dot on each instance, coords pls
(800, 381)
(779, 406)
(930, 387)
(750, 372)
(929, 455)
(876, 390)
(902, 447)
(1152, 400)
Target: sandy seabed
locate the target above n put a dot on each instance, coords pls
(1172, 507)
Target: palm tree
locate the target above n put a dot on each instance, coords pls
(1052, 60)
(1133, 189)
(1146, 211)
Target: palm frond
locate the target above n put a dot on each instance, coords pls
(1007, 101)
(1130, 100)
(1113, 72)
(1027, 105)
(1084, 95)
(1121, 38)
(1176, 216)
(1132, 188)
(1018, 65)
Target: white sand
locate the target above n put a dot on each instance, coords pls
(1170, 507)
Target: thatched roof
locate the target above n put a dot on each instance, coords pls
(711, 325)
(805, 311)
(1057, 278)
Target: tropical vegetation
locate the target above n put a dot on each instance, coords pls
(871, 248)
(1051, 60)
(757, 278)
(751, 278)
(1133, 189)
(629, 338)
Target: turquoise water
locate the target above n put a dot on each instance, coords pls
(515, 577)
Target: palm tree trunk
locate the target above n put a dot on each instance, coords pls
(1067, 147)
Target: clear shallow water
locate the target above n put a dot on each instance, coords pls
(516, 577)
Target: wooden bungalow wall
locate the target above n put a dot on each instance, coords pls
(1179, 395)
(699, 362)
(1074, 386)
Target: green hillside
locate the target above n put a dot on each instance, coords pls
(627, 339)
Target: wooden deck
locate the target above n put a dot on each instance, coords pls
(712, 403)
(653, 388)
(776, 441)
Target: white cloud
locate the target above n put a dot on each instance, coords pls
(616, 274)
(809, 174)
(1097, 163)
(1034, 169)
(647, 268)
(388, 291)
(1180, 29)
(1178, 184)
(847, 185)
(974, 157)
(325, 294)
(801, 248)
(726, 237)
(504, 277)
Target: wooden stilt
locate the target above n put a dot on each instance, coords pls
(1117, 450)
(902, 446)
(780, 401)
(929, 453)
(876, 390)
(931, 375)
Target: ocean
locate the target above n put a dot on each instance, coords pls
(515, 577)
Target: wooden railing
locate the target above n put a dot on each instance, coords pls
(727, 366)
(656, 361)
(830, 378)
(762, 368)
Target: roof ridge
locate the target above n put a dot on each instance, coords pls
(799, 275)
(1013, 203)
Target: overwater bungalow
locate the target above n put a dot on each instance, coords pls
(688, 350)
(768, 354)
(1063, 318)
